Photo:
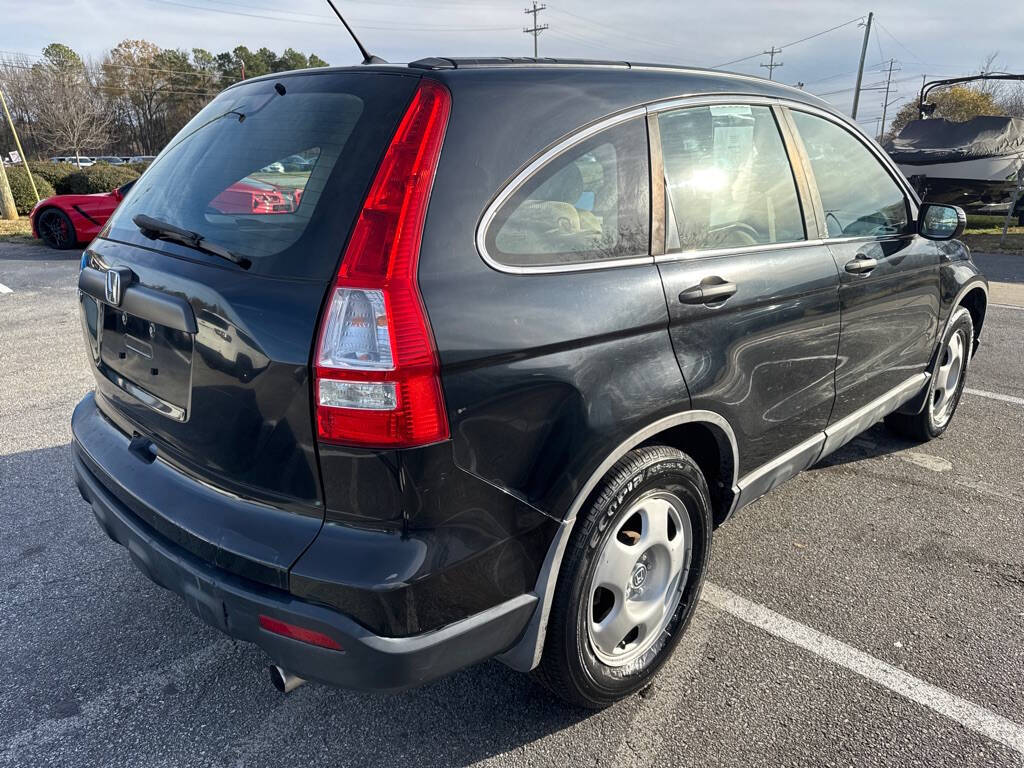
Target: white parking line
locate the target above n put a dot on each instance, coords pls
(5, 289)
(995, 396)
(1008, 306)
(968, 714)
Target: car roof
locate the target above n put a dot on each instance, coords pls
(675, 80)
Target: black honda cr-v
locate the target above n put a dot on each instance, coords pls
(399, 368)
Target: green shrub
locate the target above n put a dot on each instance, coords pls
(52, 172)
(97, 178)
(22, 190)
(137, 167)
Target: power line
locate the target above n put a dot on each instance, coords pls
(561, 34)
(795, 42)
(896, 40)
(363, 25)
(536, 29)
(617, 33)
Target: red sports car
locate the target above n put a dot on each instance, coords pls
(64, 221)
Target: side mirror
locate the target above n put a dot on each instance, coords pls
(116, 193)
(941, 222)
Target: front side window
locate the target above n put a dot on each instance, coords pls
(860, 199)
(728, 180)
(591, 203)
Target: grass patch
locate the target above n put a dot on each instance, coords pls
(19, 231)
(989, 243)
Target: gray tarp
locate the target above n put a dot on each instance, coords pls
(923, 142)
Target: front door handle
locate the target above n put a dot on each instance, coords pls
(861, 265)
(708, 292)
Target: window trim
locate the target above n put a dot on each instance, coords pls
(813, 217)
(527, 173)
(910, 198)
(804, 187)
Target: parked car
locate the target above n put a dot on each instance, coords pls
(490, 388)
(109, 160)
(142, 159)
(299, 163)
(65, 221)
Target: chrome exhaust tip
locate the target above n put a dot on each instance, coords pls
(284, 680)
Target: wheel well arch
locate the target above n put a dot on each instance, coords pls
(709, 445)
(976, 302)
(42, 209)
(703, 435)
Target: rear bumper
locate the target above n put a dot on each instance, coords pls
(233, 604)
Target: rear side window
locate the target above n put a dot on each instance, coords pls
(728, 179)
(591, 203)
(860, 199)
(274, 170)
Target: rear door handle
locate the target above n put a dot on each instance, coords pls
(708, 292)
(861, 265)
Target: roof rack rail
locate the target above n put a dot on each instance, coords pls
(444, 62)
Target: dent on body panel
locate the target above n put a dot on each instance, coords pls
(540, 371)
(764, 358)
(890, 319)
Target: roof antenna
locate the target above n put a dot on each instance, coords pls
(368, 58)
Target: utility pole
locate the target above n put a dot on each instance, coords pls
(771, 65)
(885, 100)
(860, 69)
(8, 210)
(17, 143)
(535, 29)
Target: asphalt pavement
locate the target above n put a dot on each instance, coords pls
(868, 612)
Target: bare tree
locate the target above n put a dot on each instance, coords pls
(16, 84)
(1012, 100)
(71, 114)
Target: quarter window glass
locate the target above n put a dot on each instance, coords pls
(591, 203)
(728, 179)
(859, 197)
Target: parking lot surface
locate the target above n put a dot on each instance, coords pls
(878, 616)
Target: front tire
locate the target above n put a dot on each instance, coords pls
(945, 386)
(630, 580)
(56, 229)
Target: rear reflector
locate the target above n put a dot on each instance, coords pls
(301, 634)
(377, 375)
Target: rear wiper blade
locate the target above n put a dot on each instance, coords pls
(161, 230)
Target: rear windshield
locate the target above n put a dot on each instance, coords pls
(274, 170)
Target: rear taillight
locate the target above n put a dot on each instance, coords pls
(377, 378)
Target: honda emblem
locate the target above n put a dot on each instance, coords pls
(117, 281)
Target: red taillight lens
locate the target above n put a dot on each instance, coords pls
(301, 634)
(377, 379)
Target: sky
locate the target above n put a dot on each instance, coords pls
(939, 38)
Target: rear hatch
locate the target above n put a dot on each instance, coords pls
(208, 360)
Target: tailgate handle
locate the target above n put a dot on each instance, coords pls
(140, 301)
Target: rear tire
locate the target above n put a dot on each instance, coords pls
(56, 229)
(633, 568)
(945, 386)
